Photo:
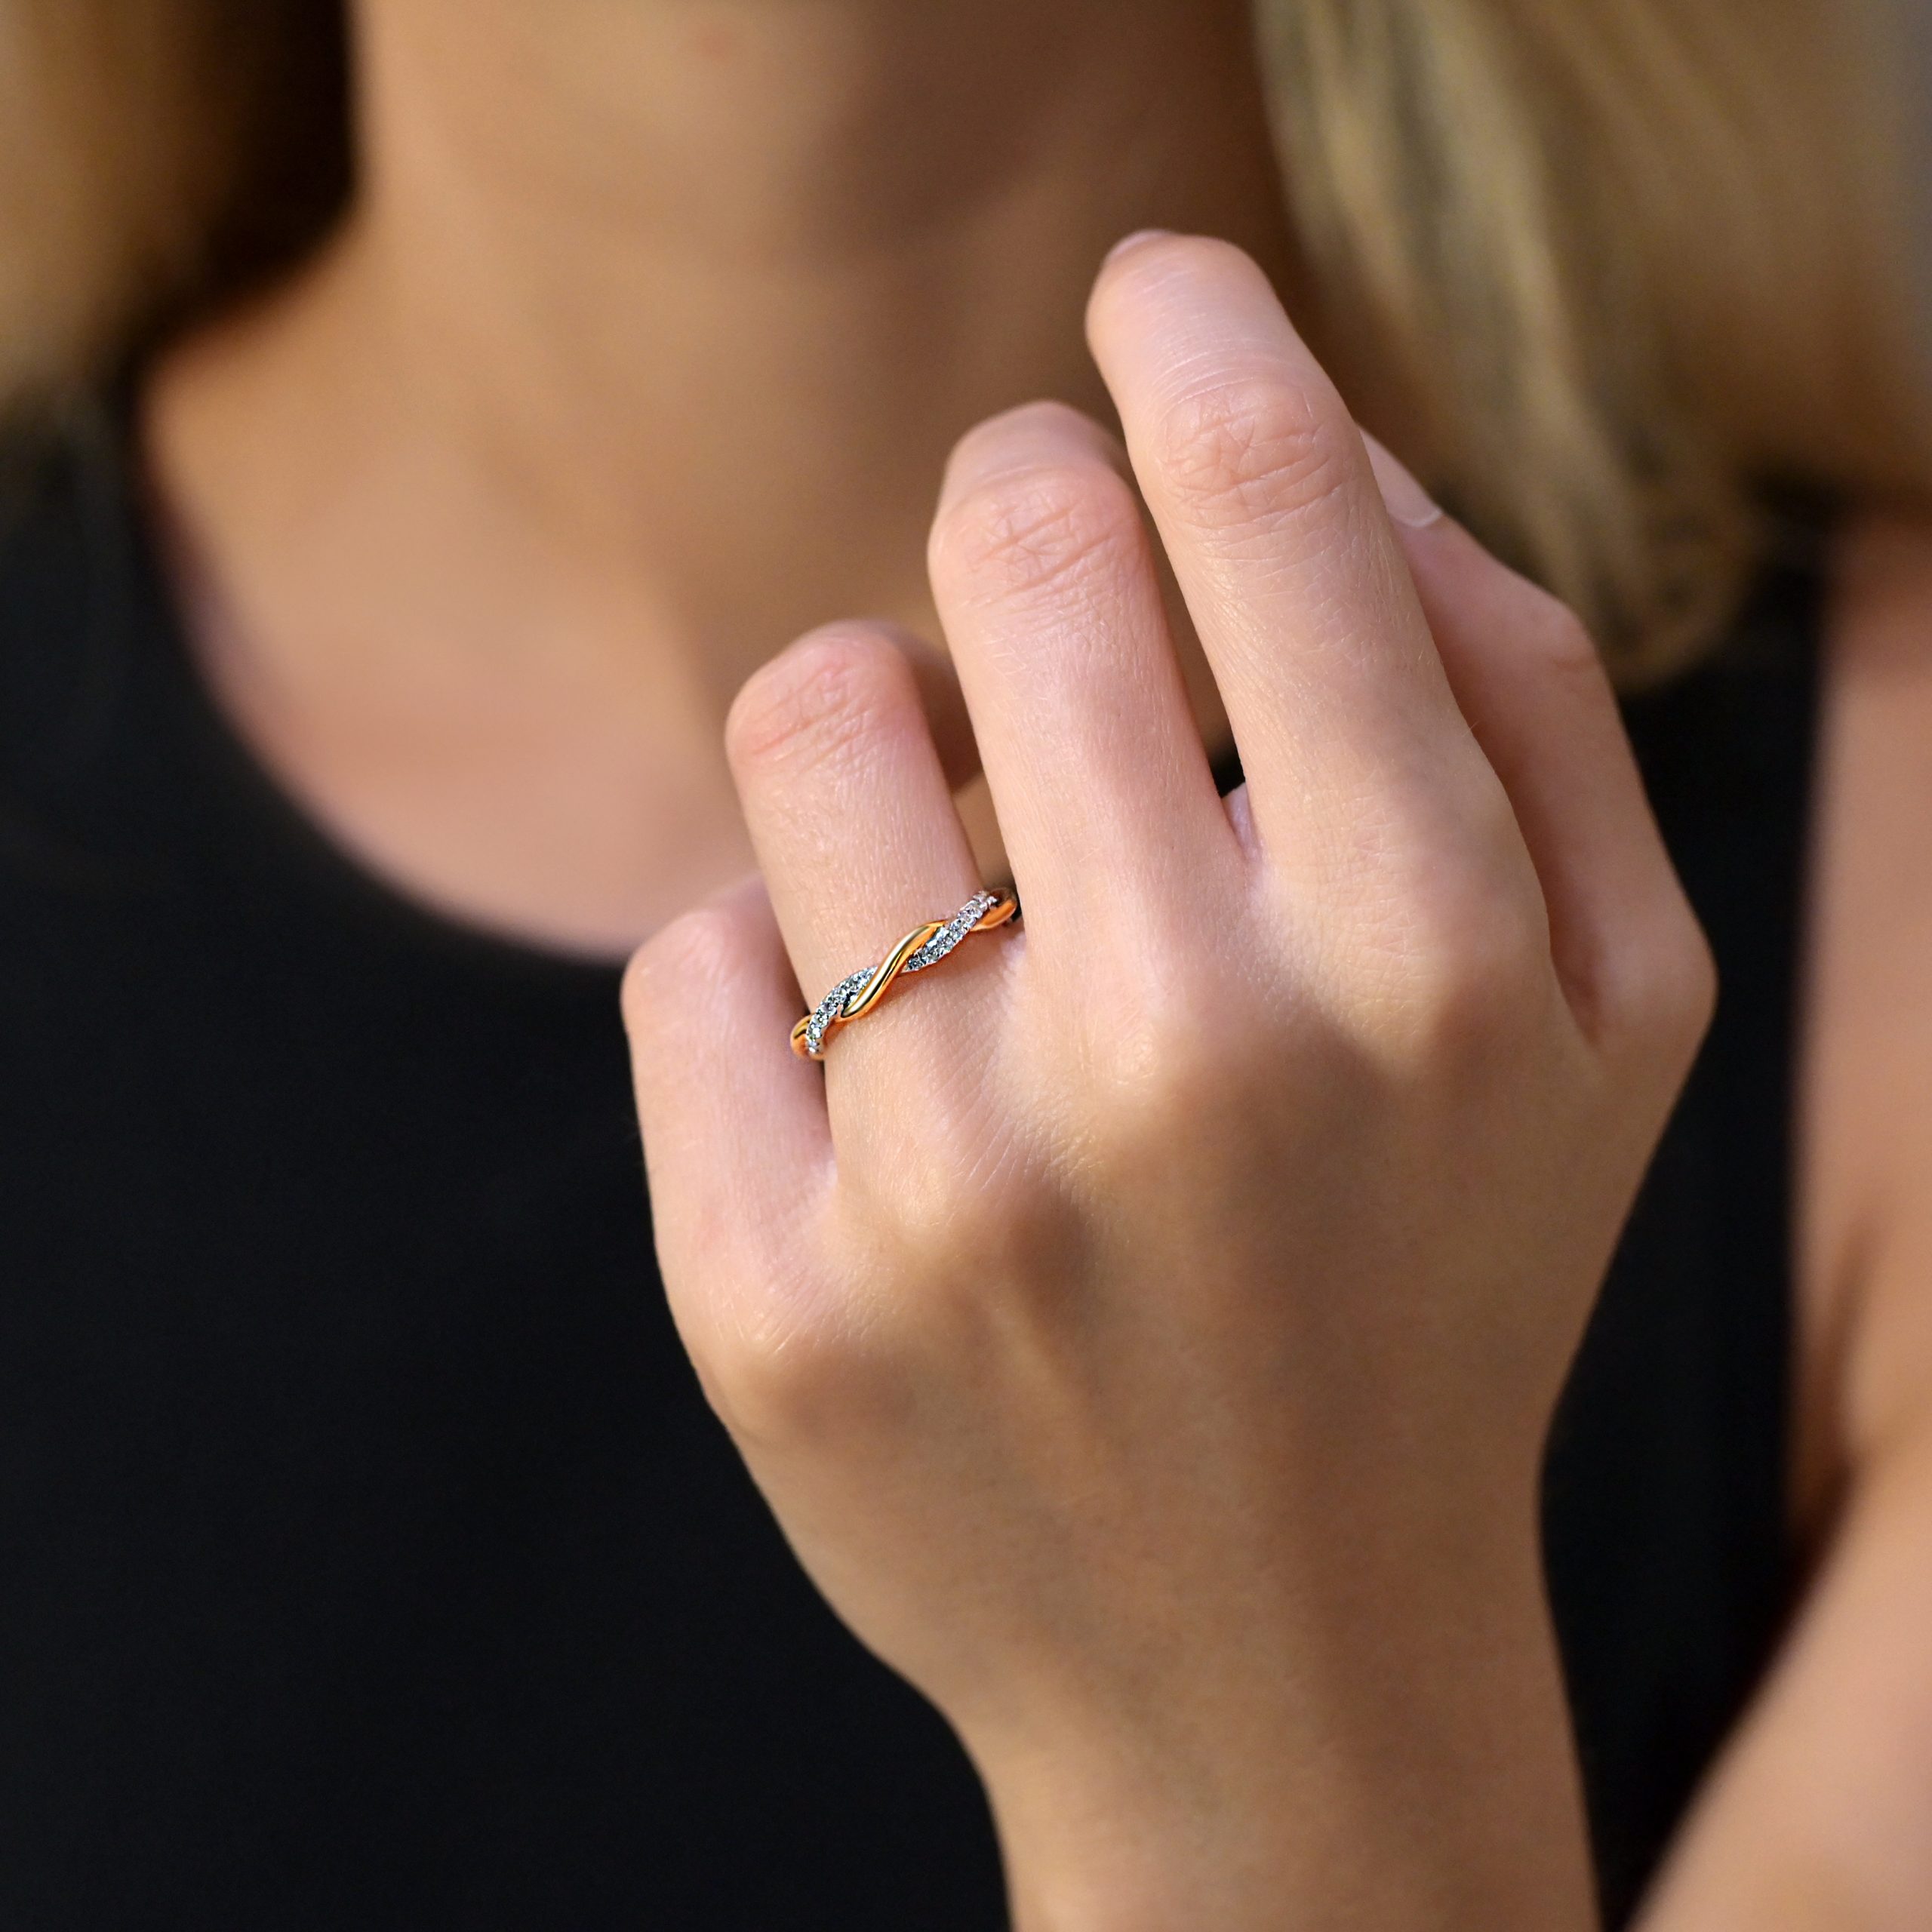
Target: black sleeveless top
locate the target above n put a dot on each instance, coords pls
(368, 1558)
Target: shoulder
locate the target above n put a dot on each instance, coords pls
(1865, 1194)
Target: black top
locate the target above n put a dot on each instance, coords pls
(368, 1558)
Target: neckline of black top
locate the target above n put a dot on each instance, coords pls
(155, 555)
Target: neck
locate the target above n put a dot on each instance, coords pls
(718, 282)
(644, 343)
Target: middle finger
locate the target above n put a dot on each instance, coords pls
(1043, 573)
(1261, 486)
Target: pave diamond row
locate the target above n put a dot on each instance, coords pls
(835, 1005)
(831, 1008)
(949, 935)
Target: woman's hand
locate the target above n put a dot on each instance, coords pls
(1146, 1326)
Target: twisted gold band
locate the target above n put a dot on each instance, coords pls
(858, 993)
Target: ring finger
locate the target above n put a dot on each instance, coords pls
(851, 815)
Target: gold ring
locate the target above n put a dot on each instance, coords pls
(858, 993)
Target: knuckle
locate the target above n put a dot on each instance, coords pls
(1661, 1003)
(919, 1205)
(698, 949)
(1697, 984)
(1554, 632)
(698, 961)
(832, 687)
(973, 1246)
(1034, 531)
(1476, 971)
(1173, 1068)
(933, 1207)
(1251, 451)
(1181, 1095)
(1175, 1050)
(775, 1379)
(776, 1330)
(971, 1234)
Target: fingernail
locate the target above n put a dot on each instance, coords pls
(1408, 503)
(1127, 244)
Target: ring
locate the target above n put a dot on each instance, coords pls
(858, 993)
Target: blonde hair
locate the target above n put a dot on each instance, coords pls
(1610, 272)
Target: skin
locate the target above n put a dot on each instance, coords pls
(646, 344)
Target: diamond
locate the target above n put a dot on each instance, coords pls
(840, 1004)
(951, 934)
(831, 1008)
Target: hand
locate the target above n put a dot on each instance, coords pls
(1146, 1326)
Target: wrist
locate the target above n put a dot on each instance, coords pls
(1388, 1773)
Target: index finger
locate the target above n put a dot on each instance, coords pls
(1261, 487)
